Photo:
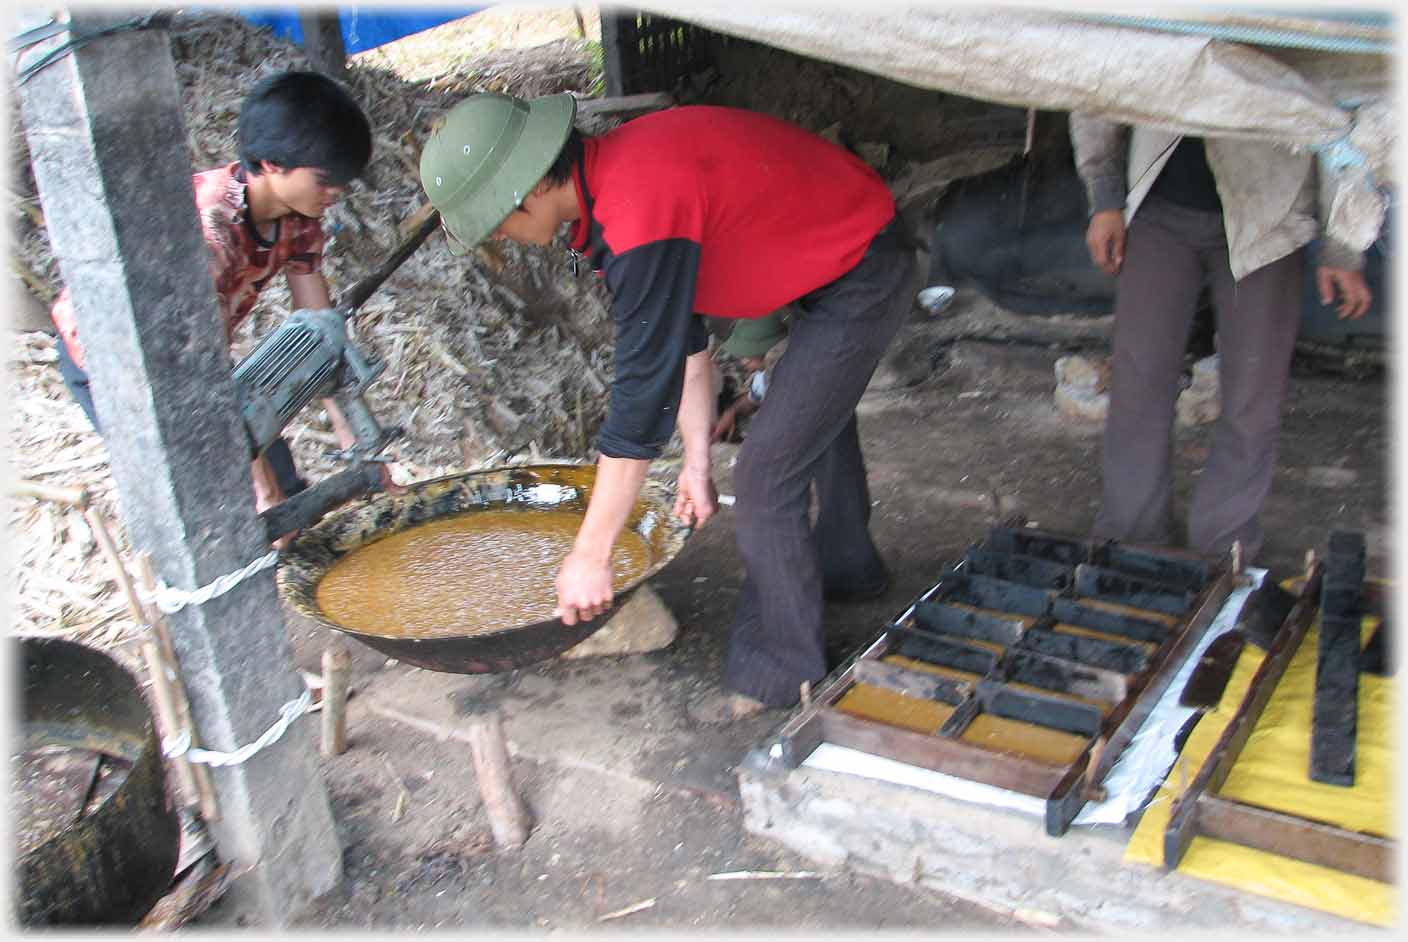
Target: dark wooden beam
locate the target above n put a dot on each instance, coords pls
(322, 41)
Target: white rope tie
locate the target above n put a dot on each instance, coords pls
(180, 745)
(171, 600)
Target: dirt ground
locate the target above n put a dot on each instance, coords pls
(634, 802)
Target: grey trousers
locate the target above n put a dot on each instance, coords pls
(805, 433)
(1170, 251)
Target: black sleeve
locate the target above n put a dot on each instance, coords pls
(652, 292)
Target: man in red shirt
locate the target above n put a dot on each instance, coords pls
(302, 138)
(699, 216)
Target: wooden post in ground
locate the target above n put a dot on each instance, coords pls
(322, 41)
(336, 664)
(508, 817)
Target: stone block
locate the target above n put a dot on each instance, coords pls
(643, 624)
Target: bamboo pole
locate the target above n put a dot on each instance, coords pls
(170, 672)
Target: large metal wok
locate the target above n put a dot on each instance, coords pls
(102, 860)
(541, 486)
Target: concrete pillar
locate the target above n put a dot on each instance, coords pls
(108, 145)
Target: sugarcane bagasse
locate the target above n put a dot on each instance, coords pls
(470, 574)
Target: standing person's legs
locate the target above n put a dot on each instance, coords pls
(77, 382)
(834, 344)
(851, 567)
(1155, 300)
(1257, 322)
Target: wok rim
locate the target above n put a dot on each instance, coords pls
(319, 547)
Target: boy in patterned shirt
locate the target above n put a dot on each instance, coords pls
(302, 138)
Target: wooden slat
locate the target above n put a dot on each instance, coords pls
(965, 623)
(1092, 683)
(940, 754)
(1364, 855)
(1068, 716)
(1334, 721)
(911, 683)
(1183, 822)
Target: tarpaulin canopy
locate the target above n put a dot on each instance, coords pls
(1307, 80)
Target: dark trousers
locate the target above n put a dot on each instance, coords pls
(1170, 251)
(278, 454)
(805, 433)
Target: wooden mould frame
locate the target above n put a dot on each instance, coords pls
(1200, 811)
(1037, 557)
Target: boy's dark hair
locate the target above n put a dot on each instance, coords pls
(304, 119)
(571, 153)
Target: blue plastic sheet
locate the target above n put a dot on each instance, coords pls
(362, 28)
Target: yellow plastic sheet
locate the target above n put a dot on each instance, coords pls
(1271, 772)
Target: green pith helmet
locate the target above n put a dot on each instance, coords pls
(754, 337)
(487, 155)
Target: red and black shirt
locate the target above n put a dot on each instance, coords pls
(710, 211)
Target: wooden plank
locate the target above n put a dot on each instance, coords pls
(1111, 586)
(624, 104)
(999, 594)
(1039, 670)
(1186, 572)
(1183, 823)
(1364, 855)
(978, 626)
(1334, 722)
(1029, 541)
(944, 652)
(1072, 612)
(940, 754)
(617, 32)
(1068, 716)
(322, 41)
(1028, 570)
(1096, 652)
(911, 683)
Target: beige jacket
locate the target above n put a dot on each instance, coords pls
(1268, 192)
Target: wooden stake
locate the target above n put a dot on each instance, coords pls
(209, 809)
(73, 496)
(103, 535)
(166, 716)
(507, 815)
(336, 663)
